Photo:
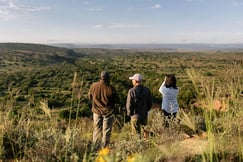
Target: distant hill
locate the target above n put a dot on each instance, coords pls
(196, 46)
(27, 46)
(21, 55)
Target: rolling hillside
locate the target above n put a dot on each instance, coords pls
(28, 66)
(47, 72)
(18, 56)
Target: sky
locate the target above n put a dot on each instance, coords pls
(121, 21)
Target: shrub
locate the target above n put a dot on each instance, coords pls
(84, 111)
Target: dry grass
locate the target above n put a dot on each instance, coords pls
(212, 135)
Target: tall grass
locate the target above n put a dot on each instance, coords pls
(36, 133)
(221, 120)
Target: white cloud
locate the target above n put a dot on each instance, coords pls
(41, 8)
(156, 6)
(2, 12)
(3, 1)
(96, 9)
(120, 26)
(98, 26)
(6, 10)
(86, 2)
(125, 26)
(10, 9)
(12, 5)
(194, 0)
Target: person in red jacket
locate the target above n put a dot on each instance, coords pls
(104, 97)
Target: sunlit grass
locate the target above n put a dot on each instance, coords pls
(38, 134)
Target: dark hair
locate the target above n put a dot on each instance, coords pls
(170, 81)
(105, 75)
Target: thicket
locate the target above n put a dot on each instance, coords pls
(50, 78)
(36, 94)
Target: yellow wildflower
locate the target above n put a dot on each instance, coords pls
(104, 151)
(102, 157)
(131, 158)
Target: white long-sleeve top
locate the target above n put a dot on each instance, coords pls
(169, 99)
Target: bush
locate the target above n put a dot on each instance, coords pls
(84, 111)
(187, 95)
(16, 142)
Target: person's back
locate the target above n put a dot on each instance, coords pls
(169, 92)
(103, 97)
(169, 103)
(139, 102)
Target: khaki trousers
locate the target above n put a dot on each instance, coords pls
(138, 123)
(102, 129)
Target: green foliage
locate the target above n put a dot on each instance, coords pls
(30, 73)
(187, 96)
(15, 142)
(14, 113)
(43, 79)
(84, 111)
(208, 74)
(55, 103)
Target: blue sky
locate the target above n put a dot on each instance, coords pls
(121, 21)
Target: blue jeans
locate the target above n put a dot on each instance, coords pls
(102, 129)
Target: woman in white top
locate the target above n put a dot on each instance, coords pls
(169, 91)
